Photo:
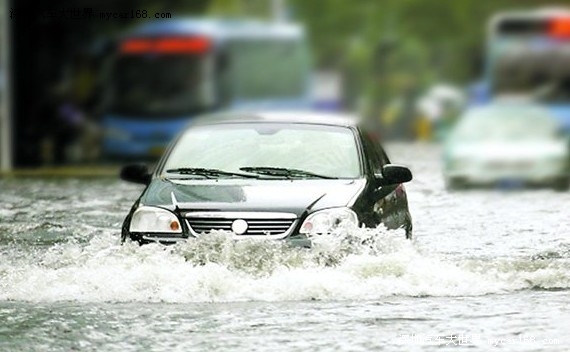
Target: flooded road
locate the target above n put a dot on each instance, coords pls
(486, 269)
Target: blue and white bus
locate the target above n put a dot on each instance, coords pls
(165, 72)
(528, 57)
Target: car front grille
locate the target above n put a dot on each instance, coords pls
(259, 224)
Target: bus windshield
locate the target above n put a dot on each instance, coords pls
(159, 85)
(544, 76)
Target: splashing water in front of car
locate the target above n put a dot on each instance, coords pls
(357, 264)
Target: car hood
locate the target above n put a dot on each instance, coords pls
(292, 196)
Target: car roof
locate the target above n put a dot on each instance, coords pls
(294, 117)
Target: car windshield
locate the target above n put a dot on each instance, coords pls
(506, 124)
(273, 150)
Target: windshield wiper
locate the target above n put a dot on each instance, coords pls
(208, 173)
(281, 171)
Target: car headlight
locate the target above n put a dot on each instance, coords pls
(325, 221)
(154, 219)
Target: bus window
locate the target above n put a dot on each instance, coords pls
(160, 84)
(268, 69)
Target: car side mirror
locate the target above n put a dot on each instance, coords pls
(137, 173)
(393, 174)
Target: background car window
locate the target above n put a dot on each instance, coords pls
(506, 123)
(325, 150)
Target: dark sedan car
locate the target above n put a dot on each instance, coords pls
(267, 175)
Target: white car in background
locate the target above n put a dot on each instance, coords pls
(507, 144)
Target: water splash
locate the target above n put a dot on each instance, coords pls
(353, 265)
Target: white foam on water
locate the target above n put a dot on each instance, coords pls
(216, 268)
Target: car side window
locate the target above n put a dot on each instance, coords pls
(382, 153)
(377, 156)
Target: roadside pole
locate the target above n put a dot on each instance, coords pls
(5, 111)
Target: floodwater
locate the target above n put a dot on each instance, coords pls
(487, 269)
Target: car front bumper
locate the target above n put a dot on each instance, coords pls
(297, 240)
